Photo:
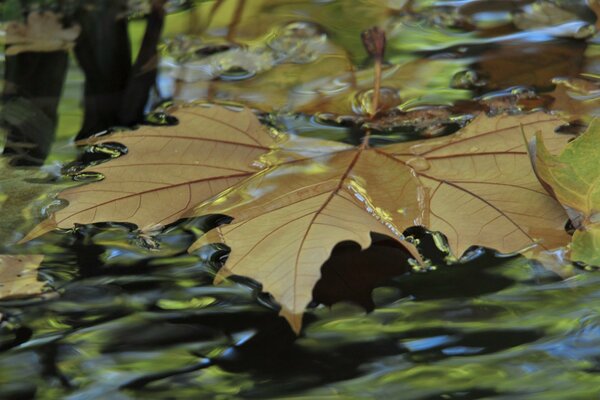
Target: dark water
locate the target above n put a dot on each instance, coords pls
(134, 318)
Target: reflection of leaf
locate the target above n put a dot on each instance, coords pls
(475, 186)
(527, 63)
(296, 43)
(415, 36)
(577, 97)
(417, 82)
(18, 276)
(542, 14)
(43, 32)
(23, 192)
(574, 178)
(281, 66)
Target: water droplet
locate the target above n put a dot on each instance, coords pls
(258, 164)
(421, 268)
(363, 100)
(88, 177)
(210, 49)
(112, 150)
(585, 31)
(161, 119)
(299, 43)
(276, 134)
(419, 164)
(466, 79)
(383, 216)
(441, 243)
(236, 73)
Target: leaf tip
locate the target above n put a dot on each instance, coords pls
(211, 237)
(294, 319)
(41, 229)
(223, 274)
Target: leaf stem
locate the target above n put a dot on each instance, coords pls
(365, 141)
(377, 87)
(374, 41)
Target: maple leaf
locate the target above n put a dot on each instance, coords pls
(168, 170)
(293, 199)
(43, 32)
(573, 178)
(475, 186)
(18, 276)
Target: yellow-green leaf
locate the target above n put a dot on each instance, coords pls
(573, 177)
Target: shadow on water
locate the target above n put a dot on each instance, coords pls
(252, 341)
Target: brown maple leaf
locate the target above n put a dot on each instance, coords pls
(293, 199)
(169, 170)
(475, 186)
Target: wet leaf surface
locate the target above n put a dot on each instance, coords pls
(292, 200)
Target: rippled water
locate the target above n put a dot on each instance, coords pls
(130, 321)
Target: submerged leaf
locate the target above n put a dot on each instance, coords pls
(18, 276)
(293, 199)
(574, 179)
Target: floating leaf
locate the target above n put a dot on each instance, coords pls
(293, 199)
(18, 276)
(474, 186)
(574, 178)
(167, 171)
